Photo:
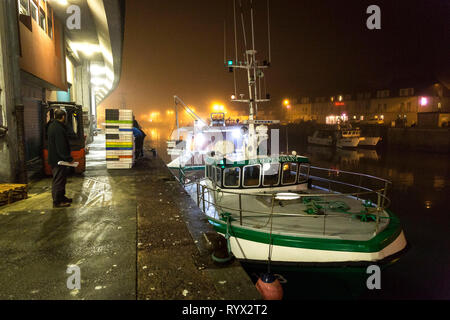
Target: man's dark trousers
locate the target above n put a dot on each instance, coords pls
(59, 183)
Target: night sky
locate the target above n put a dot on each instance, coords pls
(177, 47)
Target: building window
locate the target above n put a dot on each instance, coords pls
(1, 114)
(402, 107)
(385, 107)
(42, 19)
(50, 21)
(408, 107)
(24, 7)
(382, 93)
(34, 10)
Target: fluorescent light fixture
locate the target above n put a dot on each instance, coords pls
(98, 81)
(86, 48)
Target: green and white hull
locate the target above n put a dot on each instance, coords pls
(254, 246)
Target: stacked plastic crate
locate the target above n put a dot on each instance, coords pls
(119, 139)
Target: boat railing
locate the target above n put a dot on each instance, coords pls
(373, 200)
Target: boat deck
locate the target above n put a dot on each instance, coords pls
(330, 216)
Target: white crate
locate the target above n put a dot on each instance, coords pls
(118, 165)
(119, 152)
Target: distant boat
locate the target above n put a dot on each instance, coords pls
(341, 138)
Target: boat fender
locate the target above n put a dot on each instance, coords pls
(269, 287)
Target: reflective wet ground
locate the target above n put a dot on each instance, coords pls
(419, 194)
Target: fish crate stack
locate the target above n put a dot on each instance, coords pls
(119, 139)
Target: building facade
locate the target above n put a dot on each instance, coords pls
(393, 106)
(52, 50)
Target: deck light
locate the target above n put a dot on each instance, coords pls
(287, 196)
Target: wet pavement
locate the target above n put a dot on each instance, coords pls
(134, 234)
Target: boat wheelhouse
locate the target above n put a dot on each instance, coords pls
(236, 172)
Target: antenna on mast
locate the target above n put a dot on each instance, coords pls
(268, 32)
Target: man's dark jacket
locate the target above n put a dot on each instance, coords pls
(58, 143)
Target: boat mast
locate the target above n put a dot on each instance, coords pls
(254, 72)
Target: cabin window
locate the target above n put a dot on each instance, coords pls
(303, 172)
(218, 176)
(208, 172)
(271, 174)
(252, 176)
(231, 177)
(289, 172)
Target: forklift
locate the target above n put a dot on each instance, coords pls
(75, 132)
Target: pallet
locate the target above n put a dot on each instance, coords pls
(10, 193)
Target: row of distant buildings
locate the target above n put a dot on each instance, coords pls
(425, 105)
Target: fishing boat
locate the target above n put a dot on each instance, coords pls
(368, 141)
(339, 137)
(282, 209)
(279, 209)
(342, 136)
(189, 146)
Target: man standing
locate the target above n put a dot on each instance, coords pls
(59, 150)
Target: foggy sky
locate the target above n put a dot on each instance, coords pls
(176, 47)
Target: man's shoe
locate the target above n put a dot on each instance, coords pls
(61, 205)
(65, 199)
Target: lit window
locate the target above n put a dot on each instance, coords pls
(271, 174)
(49, 21)
(231, 177)
(252, 176)
(34, 10)
(24, 7)
(42, 19)
(289, 172)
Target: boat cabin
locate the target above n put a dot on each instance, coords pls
(258, 173)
